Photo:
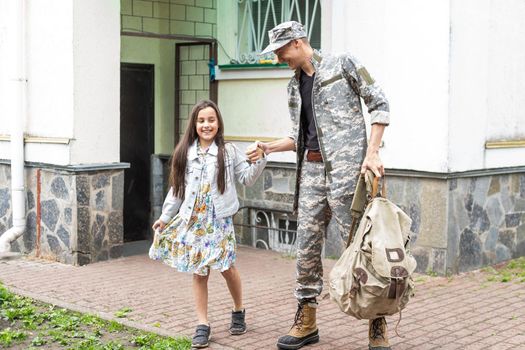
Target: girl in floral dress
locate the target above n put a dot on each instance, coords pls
(195, 231)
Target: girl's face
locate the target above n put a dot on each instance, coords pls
(207, 125)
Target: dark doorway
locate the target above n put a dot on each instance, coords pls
(136, 146)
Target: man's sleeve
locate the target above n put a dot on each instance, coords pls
(368, 89)
(292, 104)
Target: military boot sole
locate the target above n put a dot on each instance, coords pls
(309, 339)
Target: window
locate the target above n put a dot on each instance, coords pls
(275, 230)
(257, 17)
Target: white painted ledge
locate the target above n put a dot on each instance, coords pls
(256, 73)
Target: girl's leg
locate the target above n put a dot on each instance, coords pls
(233, 280)
(200, 291)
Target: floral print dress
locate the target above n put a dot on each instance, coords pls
(202, 243)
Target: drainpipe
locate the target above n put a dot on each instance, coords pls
(19, 84)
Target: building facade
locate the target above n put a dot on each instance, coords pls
(110, 85)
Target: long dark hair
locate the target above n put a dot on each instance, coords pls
(180, 154)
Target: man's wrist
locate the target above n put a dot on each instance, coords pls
(267, 148)
(372, 151)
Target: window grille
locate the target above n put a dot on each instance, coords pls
(257, 17)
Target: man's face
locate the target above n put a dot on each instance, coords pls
(289, 54)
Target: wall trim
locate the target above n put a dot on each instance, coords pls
(504, 144)
(250, 138)
(79, 168)
(246, 73)
(429, 174)
(40, 139)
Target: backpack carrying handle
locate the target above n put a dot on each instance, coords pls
(366, 189)
(375, 186)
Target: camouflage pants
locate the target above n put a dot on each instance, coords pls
(316, 207)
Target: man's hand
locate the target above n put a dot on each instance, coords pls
(373, 162)
(256, 151)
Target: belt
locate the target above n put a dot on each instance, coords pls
(314, 156)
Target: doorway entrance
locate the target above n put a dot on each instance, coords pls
(136, 146)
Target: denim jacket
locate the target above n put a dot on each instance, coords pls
(225, 204)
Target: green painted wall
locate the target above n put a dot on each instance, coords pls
(161, 53)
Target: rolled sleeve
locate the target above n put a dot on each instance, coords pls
(380, 117)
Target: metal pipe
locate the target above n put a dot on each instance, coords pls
(19, 83)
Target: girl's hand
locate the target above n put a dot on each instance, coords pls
(158, 225)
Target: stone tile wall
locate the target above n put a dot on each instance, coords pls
(486, 220)
(81, 214)
(458, 224)
(182, 17)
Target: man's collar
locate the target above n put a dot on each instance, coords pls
(315, 60)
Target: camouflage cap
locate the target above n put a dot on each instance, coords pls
(283, 34)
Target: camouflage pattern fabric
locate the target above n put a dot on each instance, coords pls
(316, 208)
(340, 82)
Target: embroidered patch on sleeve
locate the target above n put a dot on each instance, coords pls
(365, 76)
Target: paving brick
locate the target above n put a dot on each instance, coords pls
(444, 314)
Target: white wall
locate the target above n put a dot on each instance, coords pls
(256, 108)
(50, 68)
(487, 82)
(96, 59)
(453, 72)
(7, 69)
(404, 45)
(49, 53)
(73, 70)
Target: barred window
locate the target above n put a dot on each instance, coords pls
(257, 17)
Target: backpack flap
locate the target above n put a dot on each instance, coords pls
(388, 235)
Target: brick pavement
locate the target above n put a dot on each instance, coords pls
(464, 312)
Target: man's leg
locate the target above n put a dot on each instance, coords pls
(311, 229)
(309, 274)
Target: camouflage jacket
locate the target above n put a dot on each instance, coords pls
(339, 84)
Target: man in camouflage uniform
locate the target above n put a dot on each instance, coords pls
(329, 137)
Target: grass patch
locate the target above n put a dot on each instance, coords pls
(122, 313)
(513, 271)
(28, 324)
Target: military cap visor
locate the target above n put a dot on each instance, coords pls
(283, 34)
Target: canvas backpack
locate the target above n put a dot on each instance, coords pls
(373, 276)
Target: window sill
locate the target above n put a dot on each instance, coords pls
(252, 71)
(252, 66)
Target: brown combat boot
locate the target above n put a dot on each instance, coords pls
(304, 330)
(377, 334)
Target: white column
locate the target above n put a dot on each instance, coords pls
(96, 72)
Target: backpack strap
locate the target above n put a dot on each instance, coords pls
(362, 195)
(365, 190)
